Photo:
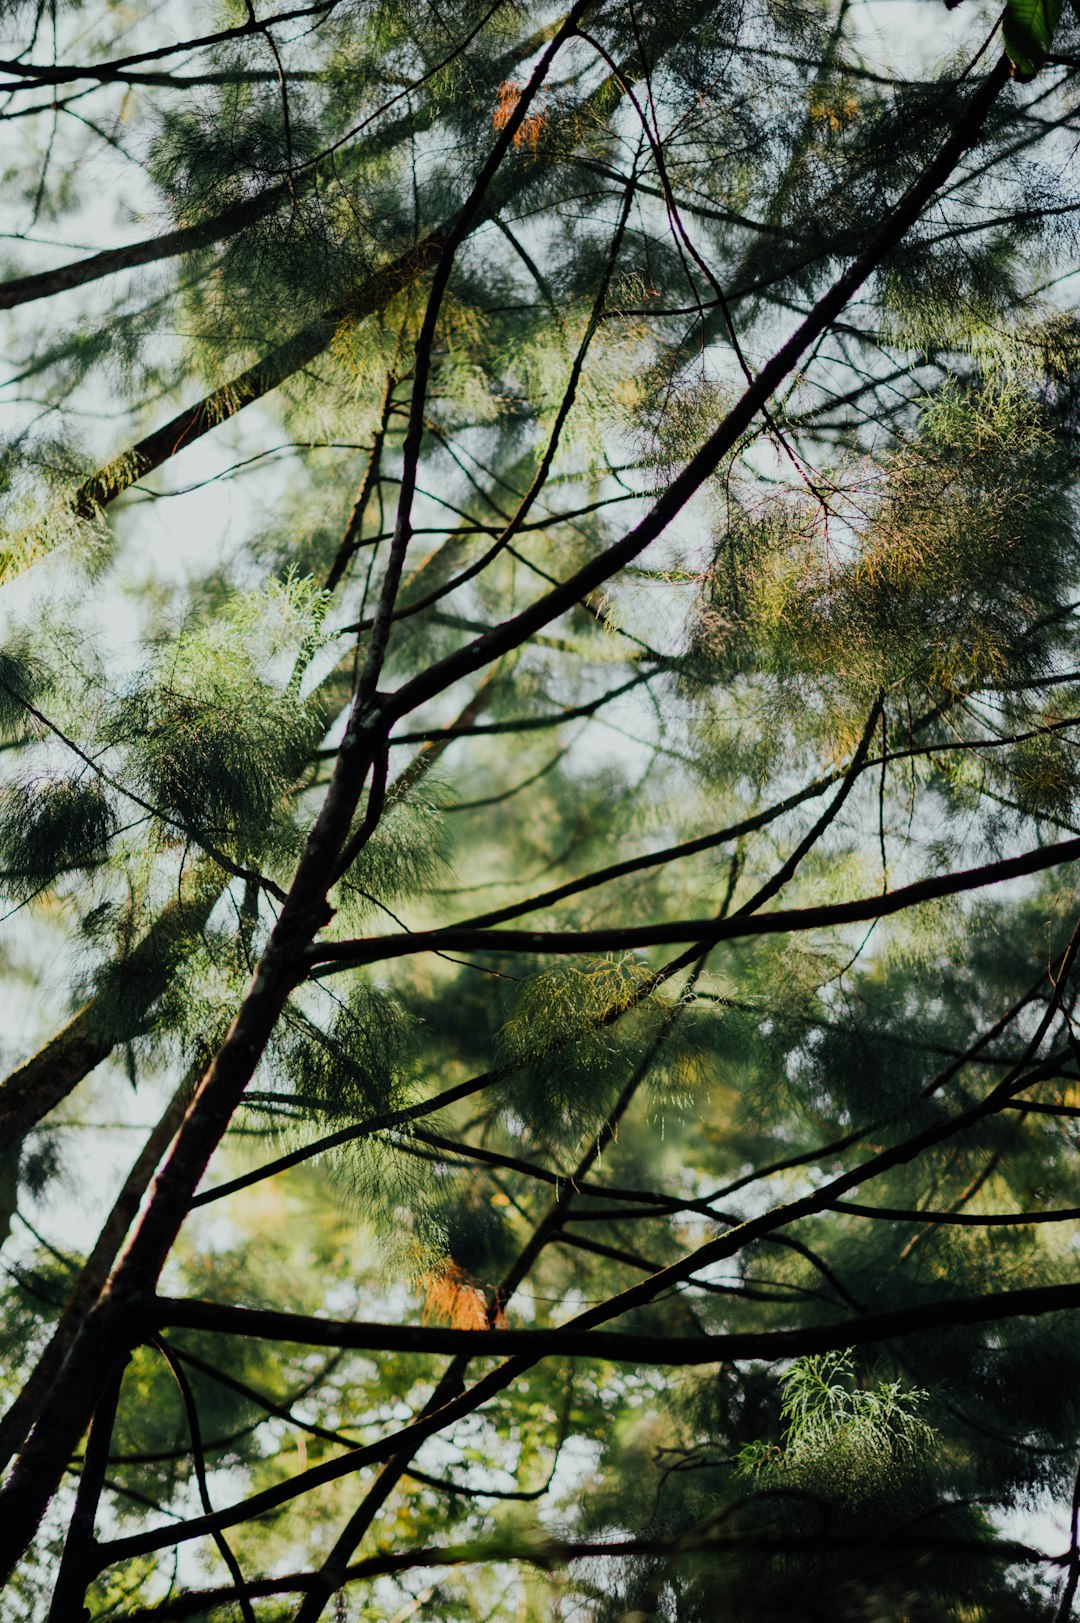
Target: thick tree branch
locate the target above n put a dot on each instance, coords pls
(612, 1345)
(555, 1554)
(333, 955)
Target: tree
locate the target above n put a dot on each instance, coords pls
(567, 824)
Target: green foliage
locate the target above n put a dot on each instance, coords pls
(50, 826)
(162, 974)
(1029, 33)
(212, 743)
(954, 551)
(569, 1043)
(841, 1442)
(21, 682)
(354, 1067)
(405, 857)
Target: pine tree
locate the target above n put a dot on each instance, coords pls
(538, 811)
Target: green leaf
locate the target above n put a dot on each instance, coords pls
(1029, 33)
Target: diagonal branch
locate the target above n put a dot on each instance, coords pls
(335, 955)
(281, 363)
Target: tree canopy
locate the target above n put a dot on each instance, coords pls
(539, 811)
